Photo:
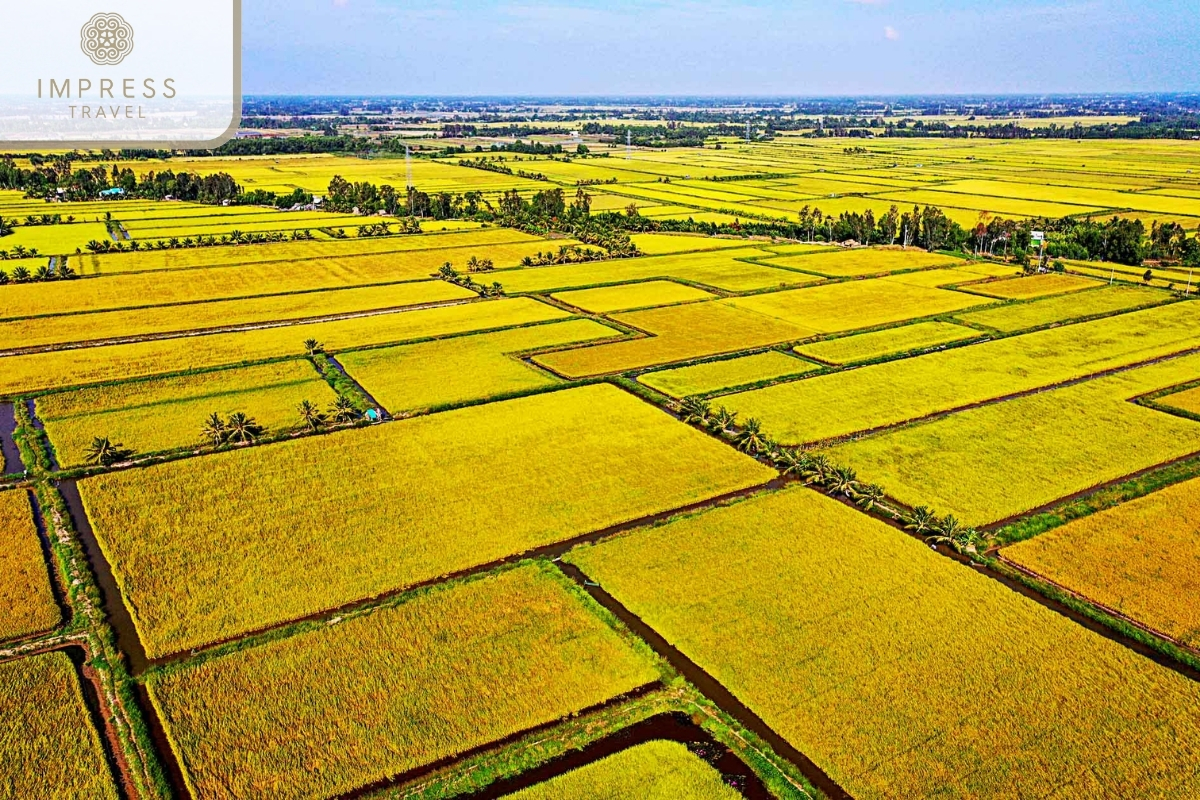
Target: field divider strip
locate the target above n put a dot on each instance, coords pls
(709, 686)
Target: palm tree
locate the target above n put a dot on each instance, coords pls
(921, 520)
(215, 430)
(243, 429)
(724, 421)
(20, 275)
(343, 410)
(694, 411)
(311, 416)
(946, 531)
(750, 439)
(104, 452)
(819, 470)
(791, 460)
(312, 347)
(843, 481)
(870, 496)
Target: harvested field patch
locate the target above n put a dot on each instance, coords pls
(893, 681)
(291, 529)
(716, 375)
(378, 695)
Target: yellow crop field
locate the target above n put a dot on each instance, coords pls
(656, 770)
(694, 330)
(166, 413)
(1188, 400)
(281, 222)
(1141, 558)
(995, 474)
(888, 342)
(1097, 198)
(48, 746)
(418, 377)
(1033, 286)
(1076, 305)
(102, 325)
(1007, 206)
(51, 240)
(657, 244)
(864, 261)
(25, 592)
(713, 376)
(856, 304)
(277, 554)
(627, 296)
(407, 685)
(58, 369)
(893, 682)
(193, 258)
(971, 272)
(828, 406)
(722, 270)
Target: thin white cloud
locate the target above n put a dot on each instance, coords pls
(891, 34)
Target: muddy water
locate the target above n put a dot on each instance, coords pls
(10, 456)
(118, 615)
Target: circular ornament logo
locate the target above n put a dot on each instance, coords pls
(107, 39)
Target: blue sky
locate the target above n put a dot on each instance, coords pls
(717, 47)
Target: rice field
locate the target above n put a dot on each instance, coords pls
(446, 372)
(62, 368)
(25, 590)
(48, 746)
(713, 376)
(55, 240)
(656, 770)
(978, 464)
(829, 406)
(1026, 288)
(1141, 558)
(888, 342)
(657, 244)
(893, 682)
(1187, 400)
(168, 413)
(299, 527)
(1064, 308)
(339, 707)
(630, 296)
(864, 261)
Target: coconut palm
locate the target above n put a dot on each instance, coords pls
(21, 275)
(724, 420)
(243, 429)
(312, 417)
(750, 439)
(791, 460)
(694, 411)
(920, 521)
(869, 496)
(214, 430)
(343, 410)
(312, 347)
(819, 470)
(843, 481)
(946, 531)
(104, 452)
